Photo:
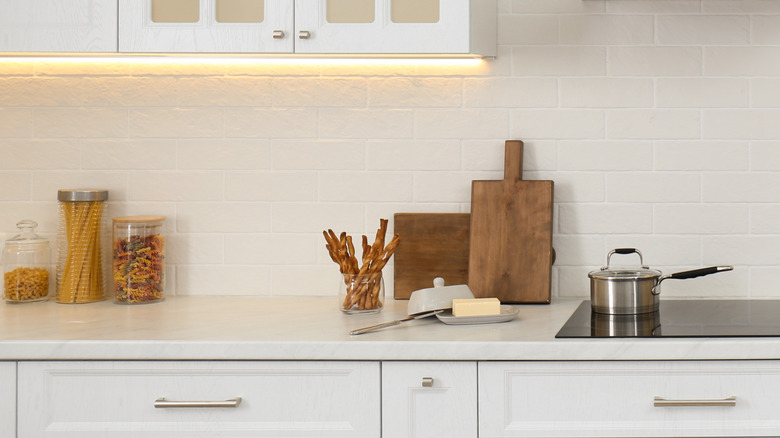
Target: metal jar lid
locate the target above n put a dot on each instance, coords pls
(82, 195)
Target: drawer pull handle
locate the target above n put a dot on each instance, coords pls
(162, 403)
(278, 34)
(304, 34)
(427, 382)
(661, 402)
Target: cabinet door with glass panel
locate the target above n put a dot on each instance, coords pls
(206, 26)
(396, 26)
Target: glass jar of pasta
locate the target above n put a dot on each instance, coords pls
(26, 266)
(81, 269)
(139, 259)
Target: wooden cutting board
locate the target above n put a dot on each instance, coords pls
(511, 250)
(432, 245)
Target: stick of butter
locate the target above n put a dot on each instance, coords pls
(475, 306)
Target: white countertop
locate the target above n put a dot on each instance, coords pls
(314, 329)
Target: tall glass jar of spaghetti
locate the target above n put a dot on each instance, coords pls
(138, 259)
(81, 269)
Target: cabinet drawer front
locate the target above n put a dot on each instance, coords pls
(566, 399)
(7, 399)
(279, 399)
(429, 399)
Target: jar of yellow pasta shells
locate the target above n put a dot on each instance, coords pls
(82, 271)
(26, 266)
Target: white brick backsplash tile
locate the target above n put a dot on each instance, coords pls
(559, 61)
(489, 155)
(557, 6)
(683, 30)
(45, 213)
(763, 282)
(176, 122)
(742, 61)
(15, 186)
(80, 122)
(143, 154)
(223, 91)
(764, 29)
(741, 187)
(765, 92)
(528, 29)
(220, 280)
(605, 155)
(605, 218)
(701, 219)
(577, 186)
(223, 217)
(557, 124)
(657, 250)
(271, 123)
(741, 124)
(765, 219)
(46, 184)
(742, 6)
(319, 92)
(187, 249)
(315, 217)
(16, 122)
(765, 155)
(510, 92)
(414, 155)
(271, 186)
(39, 154)
(365, 187)
(365, 123)
(606, 29)
(606, 92)
(578, 250)
(272, 249)
(128, 92)
(653, 187)
(414, 92)
(313, 281)
(40, 91)
(653, 124)
(467, 123)
(176, 186)
(653, 6)
(448, 186)
(573, 282)
(655, 61)
(702, 93)
(701, 155)
(741, 250)
(318, 155)
(225, 154)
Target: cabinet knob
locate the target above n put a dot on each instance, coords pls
(304, 34)
(427, 382)
(278, 34)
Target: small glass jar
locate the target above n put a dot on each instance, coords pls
(361, 293)
(81, 267)
(139, 259)
(26, 266)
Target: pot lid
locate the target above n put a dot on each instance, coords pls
(627, 273)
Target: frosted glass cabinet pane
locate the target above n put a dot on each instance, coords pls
(350, 11)
(175, 11)
(414, 11)
(240, 11)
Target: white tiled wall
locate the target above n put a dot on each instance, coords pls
(659, 122)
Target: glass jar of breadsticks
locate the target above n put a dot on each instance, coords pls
(82, 271)
(361, 287)
(27, 266)
(138, 259)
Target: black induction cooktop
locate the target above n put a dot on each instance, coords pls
(680, 319)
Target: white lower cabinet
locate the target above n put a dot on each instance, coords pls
(198, 399)
(429, 399)
(7, 399)
(627, 399)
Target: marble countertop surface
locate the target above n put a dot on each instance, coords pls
(247, 328)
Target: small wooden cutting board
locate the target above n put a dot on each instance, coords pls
(511, 250)
(432, 245)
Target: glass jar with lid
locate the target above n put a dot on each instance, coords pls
(138, 259)
(26, 266)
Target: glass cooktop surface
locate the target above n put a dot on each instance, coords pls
(681, 319)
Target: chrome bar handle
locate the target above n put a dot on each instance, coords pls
(278, 34)
(304, 34)
(162, 403)
(660, 402)
(427, 382)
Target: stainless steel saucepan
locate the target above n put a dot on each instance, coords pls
(633, 290)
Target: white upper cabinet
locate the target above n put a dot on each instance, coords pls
(58, 26)
(396, 26)
(206, 26)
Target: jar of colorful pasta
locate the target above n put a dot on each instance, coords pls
(27, 266)
(139, 259)
(81, 270)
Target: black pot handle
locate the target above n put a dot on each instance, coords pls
(625, 250)
(699, 272)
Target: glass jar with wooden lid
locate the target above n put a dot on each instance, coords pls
(138, 259)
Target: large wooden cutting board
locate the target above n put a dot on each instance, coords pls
(511, 235)
(432, 245)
